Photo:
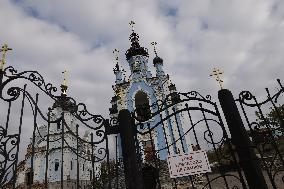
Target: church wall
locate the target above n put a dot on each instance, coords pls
(156, 89)
(143, 86)
(55, 144)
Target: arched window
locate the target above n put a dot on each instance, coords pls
(58, 125)
(91, 175)
(142, 106)
(149, 150)
(56, 165)
(29, 178)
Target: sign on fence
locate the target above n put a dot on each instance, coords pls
(188, 164)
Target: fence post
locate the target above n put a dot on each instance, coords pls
(1, 76)
(247, 157)
(132, 170)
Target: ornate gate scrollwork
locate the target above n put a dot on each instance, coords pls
(187, 122)
(15, 95)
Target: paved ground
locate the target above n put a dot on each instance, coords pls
(232, 181)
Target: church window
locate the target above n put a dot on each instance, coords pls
(149, 150)
(136, 66)
(56, 165)
(147, 143)
(71, 165)
(29, 178)
(88, 154)
(91, 175)
(83, 167)
(142, 106)
(58, 125)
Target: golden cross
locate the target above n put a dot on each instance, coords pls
(217, 73)
(131, 24)
(64, 84)
(154, 45)
(4, 51)
(64, 77)
(115, 52)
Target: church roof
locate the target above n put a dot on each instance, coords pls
(157, 60)
(66, 103)
(135, 48)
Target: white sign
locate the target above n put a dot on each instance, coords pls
(193, 163)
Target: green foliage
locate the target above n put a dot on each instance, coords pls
(270, 134)
(108, 171)
(274, 117)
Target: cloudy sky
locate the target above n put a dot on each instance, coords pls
(244, 38)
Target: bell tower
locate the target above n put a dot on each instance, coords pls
(139, 91)
(137, 56)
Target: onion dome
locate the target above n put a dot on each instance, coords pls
(174, 95)
(66, 103)
(113, 109)
(135, 48)
(157, 60)
(116, 68)
(172, 87)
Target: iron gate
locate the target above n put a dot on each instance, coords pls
(204, 129)
(57, 155)
(60, 132)
(241, 156)
(266, 129)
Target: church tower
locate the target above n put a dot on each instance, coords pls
(59, 138)
(140, 90)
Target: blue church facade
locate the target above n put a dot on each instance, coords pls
(139, 91)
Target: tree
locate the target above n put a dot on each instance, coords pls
(107, 171)
(270, 131)
(275, 117)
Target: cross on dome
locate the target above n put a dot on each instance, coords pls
(64, 84)
(4, 51)
(131, 24)
(135, 48)
(115, 52)
(217, 73)
(154, 45)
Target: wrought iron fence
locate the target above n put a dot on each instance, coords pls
(203, 129)
(57, 155)
(265, 123)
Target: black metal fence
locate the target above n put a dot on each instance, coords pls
(59, 154)
(70, 147)
(247, 153)
(265, 126)
(203, 129)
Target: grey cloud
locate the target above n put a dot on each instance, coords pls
(242, 37)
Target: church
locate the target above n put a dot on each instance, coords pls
(56, 136)
(139, 91)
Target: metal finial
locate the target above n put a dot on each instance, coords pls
(131, 24)
(115, 52)
(217, 73)
(154, 45)
(64, 84)
(124, 75)
(4, 49)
